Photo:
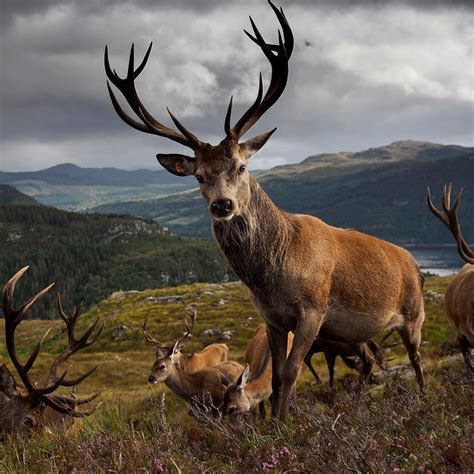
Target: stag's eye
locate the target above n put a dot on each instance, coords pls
(242, 169)
(200, 178)
(162, 367)
(28, 421)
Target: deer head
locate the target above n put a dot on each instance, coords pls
(27, 407)
(449, 217)
(168, 356)
(221, 170)
(236, 399)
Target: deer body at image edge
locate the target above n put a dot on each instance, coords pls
(304, 275)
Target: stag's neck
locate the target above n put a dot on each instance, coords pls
(182, 384)
(256, 241)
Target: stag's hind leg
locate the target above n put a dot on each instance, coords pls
(411, 337)
(466, 351)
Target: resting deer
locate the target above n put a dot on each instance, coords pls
(32, 407)
(211, 355)
(197, 387)
(304, 275)
(459, 298)
(361, 357)
(254, 385)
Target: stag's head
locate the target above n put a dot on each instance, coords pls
(221, 170)
(30, 407)
(167, 357)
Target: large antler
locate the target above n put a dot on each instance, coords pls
(449, 218)
(13, 318)
(278, 55)
(148, 124)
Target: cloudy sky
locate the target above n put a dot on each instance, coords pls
(362, 74)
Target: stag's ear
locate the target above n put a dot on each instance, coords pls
(175, 350)
(254, 144)
(180, 165)
(224, 380)
(244, 378)
(7, 382)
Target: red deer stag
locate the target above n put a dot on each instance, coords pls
(205, 385)
(32, 407)
(211, 355)
(459, 298)
(304, 275)
(254, 385)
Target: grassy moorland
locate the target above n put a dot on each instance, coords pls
(141, 428)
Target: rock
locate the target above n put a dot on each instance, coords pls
(207, 293)
(119, 333)
(163, 299)
(222, 302)
(226, 335)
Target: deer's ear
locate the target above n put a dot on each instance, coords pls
(224, 380)
(7, 382)
(180, 165)
(254, 144)
(244, 378)
(175, 350)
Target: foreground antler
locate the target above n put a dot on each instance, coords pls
(449, 218)
(278, 55)
(13, 317)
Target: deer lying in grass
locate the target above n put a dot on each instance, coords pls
(361, 357)
(32, 407)
(211, 355)
(254, 385)
(459, 298)
(304, 275)
(199, 388)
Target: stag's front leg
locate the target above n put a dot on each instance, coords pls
(306, 331)
(277, 340)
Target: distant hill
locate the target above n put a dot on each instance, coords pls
(90, 256)
(380, 191)
(11, 195)
(72, 175)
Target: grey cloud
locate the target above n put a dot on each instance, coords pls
(361, 75)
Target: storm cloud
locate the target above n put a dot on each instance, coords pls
(362, 74)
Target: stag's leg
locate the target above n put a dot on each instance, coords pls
(277, 341)
(305, 333)
(466, 351)
(331, 362)
(261, 409)
(367, 361)
(411, 337)
(307, 361)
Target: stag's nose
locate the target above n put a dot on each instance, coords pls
(221, 207)
(151, 379)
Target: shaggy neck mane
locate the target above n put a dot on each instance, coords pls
(255, 242)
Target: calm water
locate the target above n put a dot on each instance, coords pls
(440, 260)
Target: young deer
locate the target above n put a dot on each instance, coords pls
(32, 407)
(361, 357)
(211, 355)
(199, 387)
(459, 298)
(254, 385)
(305, 276)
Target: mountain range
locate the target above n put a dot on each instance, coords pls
(380, 191)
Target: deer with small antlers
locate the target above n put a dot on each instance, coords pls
(200, 378)
(304, 275)
(459, 297)
(211, 355)
(32, 407)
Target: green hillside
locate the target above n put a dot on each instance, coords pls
(91, 256)
(11, 195)
(387, 427)
(380, 191)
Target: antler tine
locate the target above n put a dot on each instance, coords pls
(278, 56)
(149, 123)
(148, 335)
(192, 313)
(67, 406)
(73, 345)
(450, 219)
(13, 318)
